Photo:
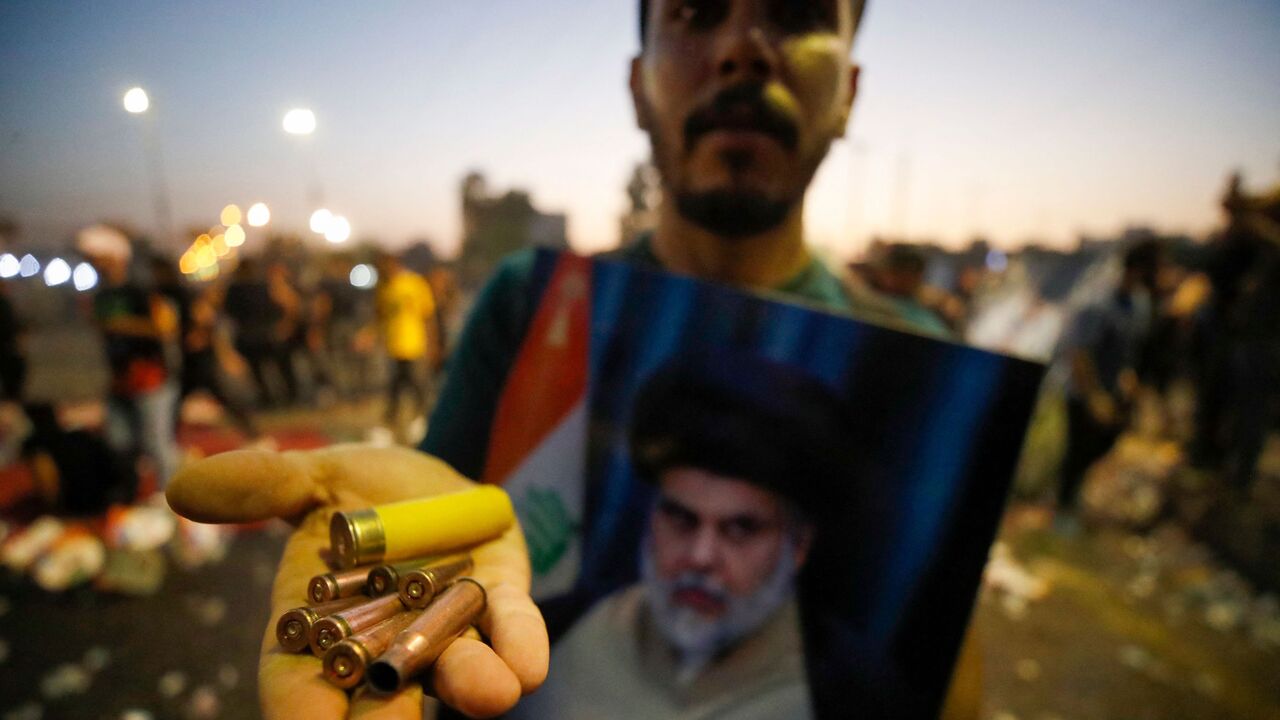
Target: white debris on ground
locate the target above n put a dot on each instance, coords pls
(64, 680)
(1018, 584)
(228, 676)
(124, 558)
(203, 704)
(96, 659)
(171, 684)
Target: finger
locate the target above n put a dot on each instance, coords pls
(518, 634)
(404, 705)
(251, 485)
(511, 621)
(470, 677)
(243, 486)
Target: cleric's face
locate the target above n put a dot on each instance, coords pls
(715, 539)
(741, 99)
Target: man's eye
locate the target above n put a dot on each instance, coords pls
(679, 518)
(700, 14)
(742, 529)
(795, 16)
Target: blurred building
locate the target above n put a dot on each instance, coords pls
(642, 206)
(496, 224)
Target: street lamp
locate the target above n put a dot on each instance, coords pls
(320, 220)
(259, 215)
(299, 121)
(338, 230)
(136, 100)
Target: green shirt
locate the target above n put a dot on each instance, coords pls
(491, 339)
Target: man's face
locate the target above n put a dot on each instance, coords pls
(731, 533)
(741, 99)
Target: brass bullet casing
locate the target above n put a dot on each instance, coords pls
(293, 629)
(385, 579)
(418, 587)
(334, 585)
(331, 630)
(418, 646)
(345, 663)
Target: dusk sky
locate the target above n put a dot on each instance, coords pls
(1017, 118)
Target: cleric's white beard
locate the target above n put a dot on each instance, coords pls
(697, 639)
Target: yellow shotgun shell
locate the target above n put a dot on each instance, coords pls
(439, 524)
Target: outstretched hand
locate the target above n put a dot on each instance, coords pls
(306, 487)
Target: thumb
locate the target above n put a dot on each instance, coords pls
(246, 486)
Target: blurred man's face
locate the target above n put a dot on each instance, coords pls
(721, 559)
(741, 99)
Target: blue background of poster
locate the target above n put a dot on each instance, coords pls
(886, 601)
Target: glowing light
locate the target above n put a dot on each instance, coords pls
(202, 241)
(230, 215)
(56, 272)
(364, 276)
(259, 215)
(234, 236)
(207, 273)
(136, 100)
(187, 263)
(997, 261)
(9, 265)
(219, 245)
(205, 257)
(29, 266)
(299, 121)
(320, 220)
(85, 277)
(338, 230)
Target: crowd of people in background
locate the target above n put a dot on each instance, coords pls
(284, 329)
(1151, 315)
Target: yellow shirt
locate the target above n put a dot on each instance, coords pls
(405, 307)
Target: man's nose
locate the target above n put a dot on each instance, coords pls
(745, 52)
(704, 549)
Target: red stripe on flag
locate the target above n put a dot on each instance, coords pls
(550, 373)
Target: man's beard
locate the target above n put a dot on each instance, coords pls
(697, 639)
(732, 214)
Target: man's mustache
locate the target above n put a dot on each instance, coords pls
(700, 582)
(741, 107)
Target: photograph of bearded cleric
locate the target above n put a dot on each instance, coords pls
(740, 507)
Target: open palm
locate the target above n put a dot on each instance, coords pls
(306, 487)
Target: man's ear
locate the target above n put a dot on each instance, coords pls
(636, 83)
(846, 112)
(804, 541)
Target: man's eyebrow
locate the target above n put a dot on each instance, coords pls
(667, 503)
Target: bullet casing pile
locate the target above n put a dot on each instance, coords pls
(386, 623)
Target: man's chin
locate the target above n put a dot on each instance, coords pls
(733, 213)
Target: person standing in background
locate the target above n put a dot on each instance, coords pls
(1101, 348)
(135, 323)
(406, 310)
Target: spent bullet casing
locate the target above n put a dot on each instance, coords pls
(385, 578)
(334, 585)
(345, 663)
(293, 629)
(418, 646)
(329, 631)
(419, 586)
